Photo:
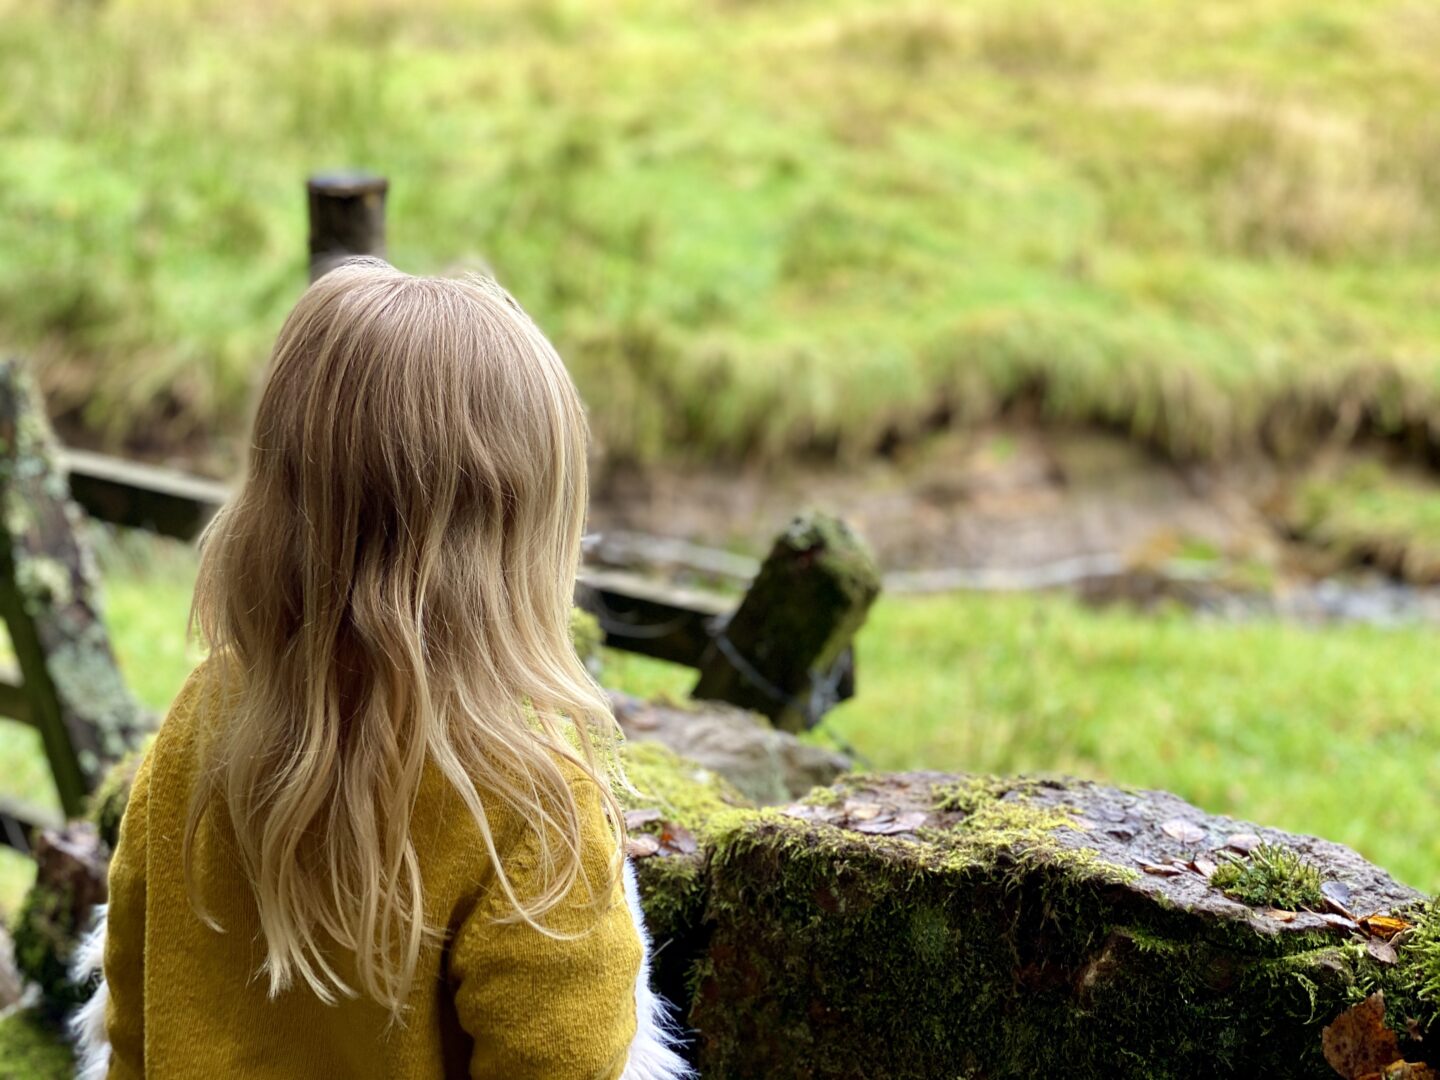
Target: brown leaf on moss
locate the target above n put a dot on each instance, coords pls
(1203, 867)
(1383, 926)
(1382, 952)
(676, 839)
(1405, 1070)
(806, 812)
(1244, 842)
(886, 825)
(635, 818)
(861, 811)
(1357, 1043)
(642, 846)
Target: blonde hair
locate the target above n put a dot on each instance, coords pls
(392, 583)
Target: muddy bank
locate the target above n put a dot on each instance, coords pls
(1023, 509)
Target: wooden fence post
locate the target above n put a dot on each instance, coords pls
(347, 217)
(72, 690)
(779, 653)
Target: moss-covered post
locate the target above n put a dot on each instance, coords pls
(778, 653)
(70, 879)
(347, 217)
(73, 690)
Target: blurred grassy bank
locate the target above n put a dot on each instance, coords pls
(755, 227)
(1330, 731)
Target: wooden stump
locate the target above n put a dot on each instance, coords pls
(779, 653)
(347, 217)
(70, 879)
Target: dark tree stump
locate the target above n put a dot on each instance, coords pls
(70, 879)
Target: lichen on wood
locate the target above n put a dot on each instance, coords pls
(49, 599)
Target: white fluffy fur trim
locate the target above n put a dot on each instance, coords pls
(87, 1024)
(653, 1053)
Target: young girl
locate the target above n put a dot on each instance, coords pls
(375, 836)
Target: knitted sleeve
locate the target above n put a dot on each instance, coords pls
(545, 1009)
(125, 935)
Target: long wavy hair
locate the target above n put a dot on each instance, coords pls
(390, 585)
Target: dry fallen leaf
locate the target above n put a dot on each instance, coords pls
(1382, 951)
(1407, 1070)
(1358, 1042)
(1204, 867)
(1244, 842)
(1383, 926)
(1278, 914)
(890, 826)
(1337, 891)
(635, 818)
(1159, 869)
(1337, 898)
(1340, 922)
(1187, 832)
(642, 846)
(806, 812)
(861, 811)
(678, 839)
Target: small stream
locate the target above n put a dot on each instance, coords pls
(1206, 588)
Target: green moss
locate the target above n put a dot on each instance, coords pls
(968, 793)
(684, 792)
(695, 798)
(586, 635)
(107, 803)
(31, 1048)
(1273, 875)
(44, 935)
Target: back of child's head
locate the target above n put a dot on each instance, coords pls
(392, 583)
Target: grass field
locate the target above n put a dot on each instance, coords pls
(754, 227)
(1333, 731)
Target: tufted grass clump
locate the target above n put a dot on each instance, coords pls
(1273, 875)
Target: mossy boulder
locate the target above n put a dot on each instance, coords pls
(766, 764)
(926, 925)
(32, 1048)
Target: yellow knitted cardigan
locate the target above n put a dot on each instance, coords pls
(493, 1000)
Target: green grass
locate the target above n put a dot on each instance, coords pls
(754, 227)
